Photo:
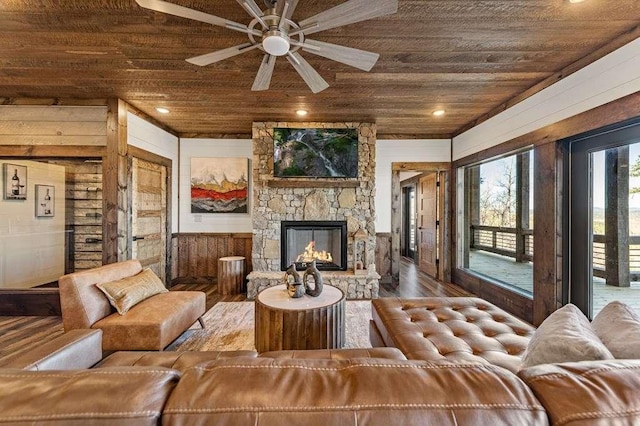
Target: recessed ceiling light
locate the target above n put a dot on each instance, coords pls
(576, 1)
(162, 110)
(438, 113)
(302, 112)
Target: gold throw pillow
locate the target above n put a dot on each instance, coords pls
(128, 292)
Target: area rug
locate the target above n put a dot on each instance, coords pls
(229, 327)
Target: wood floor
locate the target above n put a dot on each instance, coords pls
(21, 334)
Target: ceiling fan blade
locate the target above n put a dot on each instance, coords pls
(220, 55)
(254, 10)
(196, 15)
(291, 7)
(360, 59)
(263, 78)
(314, 80)
(348, 13)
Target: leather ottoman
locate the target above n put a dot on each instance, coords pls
(457, 329)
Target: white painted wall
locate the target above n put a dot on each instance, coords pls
(397, 151)
(214, 222)
(32, 249)
(612, 77)
(149, 137)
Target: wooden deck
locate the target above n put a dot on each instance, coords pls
(21, 334)
(520, 275)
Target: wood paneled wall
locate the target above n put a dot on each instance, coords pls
(84, 215)
(196, 255)
(53, 125)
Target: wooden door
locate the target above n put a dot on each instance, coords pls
(149, 215)
(427, 227)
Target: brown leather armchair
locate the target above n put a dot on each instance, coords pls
(150, 325)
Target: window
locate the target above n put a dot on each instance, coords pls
(495, 220)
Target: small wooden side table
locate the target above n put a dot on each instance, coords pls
(231, 275)
(283, 323)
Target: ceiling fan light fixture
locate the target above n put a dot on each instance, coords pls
(276, 44)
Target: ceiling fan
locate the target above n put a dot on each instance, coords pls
(276, 34)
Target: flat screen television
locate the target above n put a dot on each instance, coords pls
(326, 153)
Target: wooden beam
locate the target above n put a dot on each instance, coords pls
(116, 197)
(396, 225)
(547, 255)
(52, 151)
(421, 167)
(616, 216)
(318, 183)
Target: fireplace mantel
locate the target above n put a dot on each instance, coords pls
(312, 183)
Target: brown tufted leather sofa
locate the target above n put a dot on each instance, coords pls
(150, 325)
(375, 386)
(456, 329)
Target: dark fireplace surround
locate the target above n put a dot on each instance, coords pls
(317, 239)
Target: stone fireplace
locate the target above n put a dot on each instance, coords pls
(351, 201)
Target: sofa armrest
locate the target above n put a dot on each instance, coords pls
(74, 350)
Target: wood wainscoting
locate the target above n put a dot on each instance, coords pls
(195, 256)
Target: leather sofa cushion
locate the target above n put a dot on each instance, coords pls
(73, 350)
(269, 391)
(588, 393)
(153, 323)
(457, 329)
(125, 293)
(132, 396)
(176, 360)
(386, 353)
(82, 302)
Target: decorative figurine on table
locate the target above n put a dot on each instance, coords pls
(312, 270)
(295, 288)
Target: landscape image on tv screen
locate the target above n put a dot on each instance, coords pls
(315, 152)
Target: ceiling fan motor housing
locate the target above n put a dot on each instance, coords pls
(276, 43)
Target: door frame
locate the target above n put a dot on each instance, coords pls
(150, 157)
(577, 265)
(405, 250)
(444, 233)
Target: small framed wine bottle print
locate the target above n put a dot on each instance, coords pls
(15, 182)
(45, 200)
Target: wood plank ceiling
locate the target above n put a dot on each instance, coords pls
(467, 57)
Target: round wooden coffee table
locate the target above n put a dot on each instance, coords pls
(283, 323)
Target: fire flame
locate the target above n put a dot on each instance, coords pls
(310, 254)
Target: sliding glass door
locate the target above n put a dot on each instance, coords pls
(604, 218)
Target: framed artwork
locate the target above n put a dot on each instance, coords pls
(45, 200)
(15, 182)
(219, 185)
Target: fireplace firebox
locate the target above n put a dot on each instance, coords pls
(323, 241)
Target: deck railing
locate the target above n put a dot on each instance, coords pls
(503, 241)
(599, 269)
